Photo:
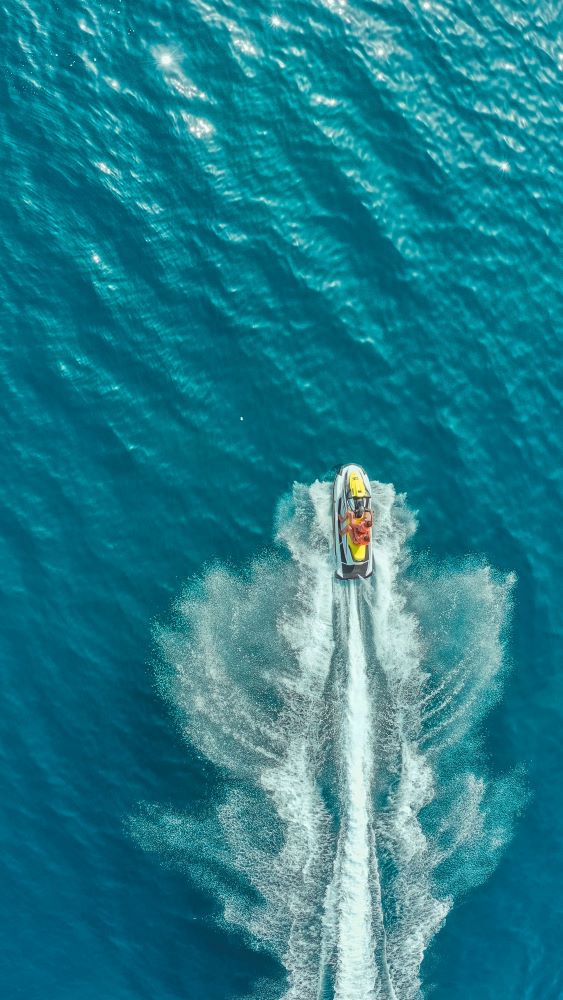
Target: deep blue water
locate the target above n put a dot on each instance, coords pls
(239, 247)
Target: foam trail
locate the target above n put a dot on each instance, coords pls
(346, 720)
(356, 973)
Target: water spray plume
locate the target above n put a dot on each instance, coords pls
(346, 718)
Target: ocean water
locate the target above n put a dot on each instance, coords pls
(241, 246)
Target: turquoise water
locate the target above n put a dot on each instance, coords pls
(240, 247)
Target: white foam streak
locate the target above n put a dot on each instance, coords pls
(356, 973)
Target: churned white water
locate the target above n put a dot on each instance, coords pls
(356, 972)
(345, 720)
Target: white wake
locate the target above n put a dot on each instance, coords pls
(355, 970)
(344, 718)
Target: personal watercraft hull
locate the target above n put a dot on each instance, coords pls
(352, 561)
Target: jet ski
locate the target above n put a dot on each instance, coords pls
(351, 494)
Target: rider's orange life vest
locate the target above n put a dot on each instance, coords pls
(361, 533)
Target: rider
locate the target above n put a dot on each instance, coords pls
(357, 524)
